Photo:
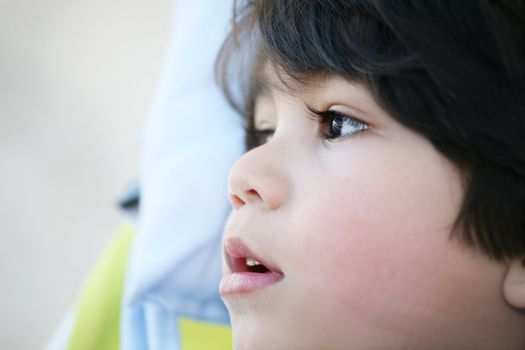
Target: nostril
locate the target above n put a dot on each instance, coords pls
(252, 193)
(247, 197)
(236, 201)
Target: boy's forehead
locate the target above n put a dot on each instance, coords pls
(274, 79)
(319, 87)
(269, 82)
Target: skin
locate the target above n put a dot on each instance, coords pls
(361, 229)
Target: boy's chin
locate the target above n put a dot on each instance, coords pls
(251, 333)
(247, 335)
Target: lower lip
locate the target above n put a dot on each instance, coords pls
(247, 282)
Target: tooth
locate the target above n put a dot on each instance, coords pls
(252, 262)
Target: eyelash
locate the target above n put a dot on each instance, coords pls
(326, 119)
(325, 131)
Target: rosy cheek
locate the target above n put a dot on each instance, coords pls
(348, 260)
(372, 267)
(370, 263)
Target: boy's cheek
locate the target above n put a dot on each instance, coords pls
(371, 267)
(371, 229)
(349, 264)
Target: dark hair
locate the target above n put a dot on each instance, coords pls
(452, 71)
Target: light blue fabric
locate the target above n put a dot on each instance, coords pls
(189, 144)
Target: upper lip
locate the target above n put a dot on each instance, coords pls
(236, 252)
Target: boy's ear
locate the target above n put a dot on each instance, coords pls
(514, 284)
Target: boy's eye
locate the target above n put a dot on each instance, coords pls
(258, 137)
(332, 126)
(264, 136)
(335, 126)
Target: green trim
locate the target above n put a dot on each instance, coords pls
(197, 335)
(97, 321)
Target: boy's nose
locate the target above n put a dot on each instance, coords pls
(257, 178)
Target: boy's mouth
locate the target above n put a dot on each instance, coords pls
(248, 272)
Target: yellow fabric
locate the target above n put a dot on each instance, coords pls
(97, 316)
(197, 335)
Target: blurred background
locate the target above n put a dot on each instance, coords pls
(76, 82)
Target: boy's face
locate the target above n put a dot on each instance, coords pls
(359, 229)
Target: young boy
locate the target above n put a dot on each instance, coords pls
(382, 202)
